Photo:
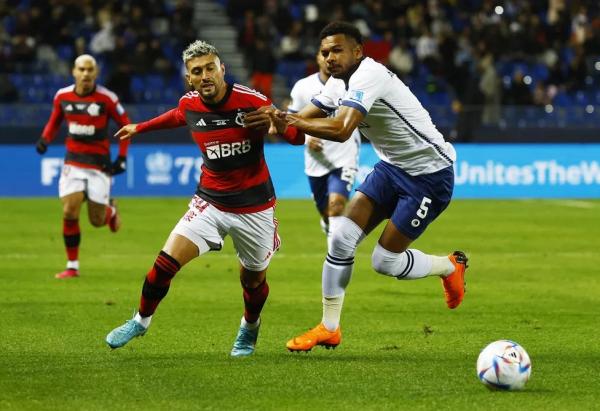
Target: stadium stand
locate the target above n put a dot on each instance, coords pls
(475, 64)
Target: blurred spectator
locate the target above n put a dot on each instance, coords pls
(577, 71)
(263, 66)
(401, 60)
(519, 93)
(290, 46)
(491, 89)
(379, 49)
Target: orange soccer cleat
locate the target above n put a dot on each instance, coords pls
(317, 336)
(454, 284)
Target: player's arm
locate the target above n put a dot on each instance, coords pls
(171, 119)
(338, 128)
(51, 128)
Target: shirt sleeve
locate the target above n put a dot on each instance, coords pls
(365, 86)
(327, 99)
(171, 119)
(54, 121)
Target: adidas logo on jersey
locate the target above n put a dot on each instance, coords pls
(223, 150)
(201, 123)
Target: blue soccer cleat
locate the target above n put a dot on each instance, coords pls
(123, 334)
(244, 342)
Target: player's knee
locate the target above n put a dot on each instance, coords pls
(345, 239)
(70, 212)
(386, 262)
(336, 207)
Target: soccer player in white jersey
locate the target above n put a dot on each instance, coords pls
(410, 185)
(330, 166)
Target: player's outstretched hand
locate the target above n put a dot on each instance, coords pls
(119, 166)
(41, 146)
(126, 132)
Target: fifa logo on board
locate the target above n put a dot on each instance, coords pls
(159, 165)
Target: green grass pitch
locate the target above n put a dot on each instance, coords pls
(533, 278)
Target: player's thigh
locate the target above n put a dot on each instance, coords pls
(71, 189)
(202, 225)
(423, 199)
(72, 204)
(255, 238)
(97, 186)
(181, 248)
(365, 212)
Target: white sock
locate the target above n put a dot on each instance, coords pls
(337, 268)
(249, 326)
(73, 265)
(335, 280)
(332, 311)
(144, 321)
(441, 266)
(409, 265)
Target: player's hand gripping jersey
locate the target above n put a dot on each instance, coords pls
(396, 123)
(87, 141)
(235, 177)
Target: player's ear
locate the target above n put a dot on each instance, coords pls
(223, 68)
(188, 79)
(358, 51)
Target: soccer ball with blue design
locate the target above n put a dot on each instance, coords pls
(504, 365)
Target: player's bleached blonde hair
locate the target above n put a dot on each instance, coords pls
(85, 57)
(198, 48)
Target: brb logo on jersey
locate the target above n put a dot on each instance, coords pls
(215, 150)
(81, 129)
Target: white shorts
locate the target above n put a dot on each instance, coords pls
(95, 183)
(254, 235)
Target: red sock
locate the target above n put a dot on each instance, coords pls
(72, 237)
(109, 213)
(157, 283)
(254, 300)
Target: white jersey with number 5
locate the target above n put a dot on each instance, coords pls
(334, 155)
(395, 122)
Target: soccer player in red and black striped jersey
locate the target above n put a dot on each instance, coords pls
(235, 195)
(87, 170)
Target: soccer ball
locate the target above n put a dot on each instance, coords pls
(504, 365)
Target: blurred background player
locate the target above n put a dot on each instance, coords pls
(87, 170)
(235, 195)
(410, 185)
(329, 165)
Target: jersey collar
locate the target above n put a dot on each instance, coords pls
(346, 78)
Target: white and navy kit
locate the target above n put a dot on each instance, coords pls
(414, 180)
(333, 169)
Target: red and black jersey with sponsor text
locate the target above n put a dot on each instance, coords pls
(235, 177)
(87, 118)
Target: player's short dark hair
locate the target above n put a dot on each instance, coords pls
(341, 27)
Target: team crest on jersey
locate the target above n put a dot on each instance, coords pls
(93, 109)
(356, 95)
(239, 118)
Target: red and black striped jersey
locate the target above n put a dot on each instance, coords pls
(235, 176)
(87, 118)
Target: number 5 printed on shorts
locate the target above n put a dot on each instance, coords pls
(421, 212)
